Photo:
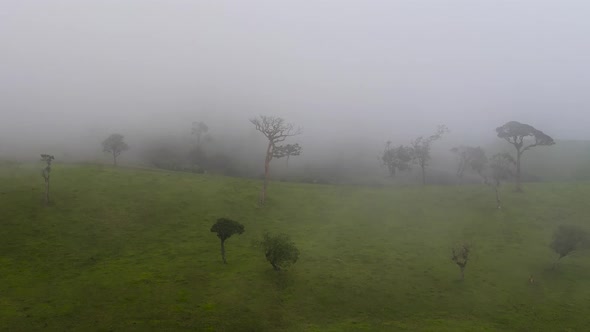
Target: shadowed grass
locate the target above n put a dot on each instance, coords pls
(125, 249)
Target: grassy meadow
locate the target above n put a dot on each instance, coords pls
(130, 250)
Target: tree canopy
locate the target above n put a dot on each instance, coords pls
(397, 158)
(567, 239)
(287, 150)
(115, 145)
(516, 134)
(470, 157)
(225, 228)
(279, 250)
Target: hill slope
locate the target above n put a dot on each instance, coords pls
(123, 249)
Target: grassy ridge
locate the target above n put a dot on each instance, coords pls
(124, 249)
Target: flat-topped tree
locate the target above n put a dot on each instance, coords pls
(275, 130)
(115, 145)
(225, 228)
(45, 173)
(516, 134)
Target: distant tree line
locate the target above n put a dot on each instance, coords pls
(494, 170)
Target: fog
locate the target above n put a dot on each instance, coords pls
(353, 74)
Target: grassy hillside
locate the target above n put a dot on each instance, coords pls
(131, 250)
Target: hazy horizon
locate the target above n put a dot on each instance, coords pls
(345, 71)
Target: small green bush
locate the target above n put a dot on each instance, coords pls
(279, 251)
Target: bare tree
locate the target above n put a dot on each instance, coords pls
(48, 159)
(275, 130)
(115, 145)
(421, 148)
(460, 256)
(515, 133)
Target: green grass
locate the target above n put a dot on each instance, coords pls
(131, 250)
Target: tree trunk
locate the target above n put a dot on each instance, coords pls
(266, 173)
(47, 191)
(557, 261)
(462, 273)
(288, 161)
(498, 202)
(114, 159)
(275, 267)
(223, 251)
(518, 184)
(423, 174)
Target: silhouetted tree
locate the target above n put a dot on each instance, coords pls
(501, 169)
(115, 145)
(287, 150)
(225, 228)
(515, 133)
(470, 157)
(199, 129)
(460, 256)
(421, 148)
(567, 239)
(275, 130)
(279, 251)
(46, 172)
(397, 158)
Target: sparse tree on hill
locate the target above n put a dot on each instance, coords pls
(567, 239)
(421, 148)
(199, 129)
(460, 256)
(397, 158)
(225, 228)
(470, 157)
(46, 172)
(516, 133)
(275, 130)
(287, 150)
(115, 145)
(279, 251)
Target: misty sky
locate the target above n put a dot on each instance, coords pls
(350, 69)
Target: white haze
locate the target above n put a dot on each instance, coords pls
(363, 72)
